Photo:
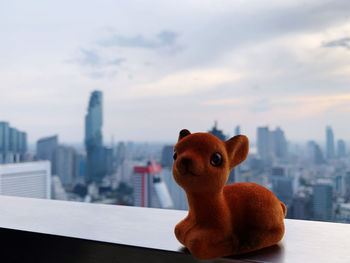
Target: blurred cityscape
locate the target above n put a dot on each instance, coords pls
(313, 180)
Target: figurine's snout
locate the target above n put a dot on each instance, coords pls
(185, 165)
(185, 162)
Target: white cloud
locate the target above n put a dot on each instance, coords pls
(251, 63)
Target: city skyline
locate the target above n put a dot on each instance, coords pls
(80, 145)
(250, 64)
(312, 182)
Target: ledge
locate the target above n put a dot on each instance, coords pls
(60, 231)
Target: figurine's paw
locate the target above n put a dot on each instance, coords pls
(198, 247)
(210, 244)
(179, 233)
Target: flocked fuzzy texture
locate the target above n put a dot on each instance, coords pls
(222, 220)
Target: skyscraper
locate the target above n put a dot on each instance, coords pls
(93, 139)
(218, 133)
(316, 155)
(264, 144)
(45, 149)
(279, 143)
(330, 153)
(341, 149)
(13, 144)
(65, 168)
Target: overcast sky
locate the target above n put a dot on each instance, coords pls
(168, 65)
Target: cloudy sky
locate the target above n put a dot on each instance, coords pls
(168, 65)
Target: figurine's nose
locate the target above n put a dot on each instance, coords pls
(186, 162)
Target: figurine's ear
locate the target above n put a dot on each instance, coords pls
(183, 133)
(237, 149)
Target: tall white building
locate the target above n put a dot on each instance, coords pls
(177, 194)
(31, 179)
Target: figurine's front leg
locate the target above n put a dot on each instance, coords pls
(182, 228)
(210, 243)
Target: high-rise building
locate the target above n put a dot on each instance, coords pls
(65, 168)
(30, 179)
(4, 141)
(271, 145)
(315, 152)
(45, 149)
(322, 204)
(149, 187)
(177, 194)
(264, 144)
(93, 139)
(330, 152)
(218, 133)
(279, 143)
(341, 149)
(13, 144)
(22, 145)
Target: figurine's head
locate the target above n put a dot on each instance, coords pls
(202, 162)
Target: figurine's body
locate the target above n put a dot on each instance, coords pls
(222, 220)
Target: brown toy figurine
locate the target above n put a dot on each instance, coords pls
(222, 220)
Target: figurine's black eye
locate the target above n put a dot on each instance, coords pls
(175, 156)
(216, 159)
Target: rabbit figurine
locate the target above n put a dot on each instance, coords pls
(222, 220)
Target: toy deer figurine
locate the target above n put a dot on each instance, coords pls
(222, 220)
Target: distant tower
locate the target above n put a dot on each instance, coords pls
(279, 143)
(65, 166)
(316, 154)
(45, 149)
(218, 133)
(341, 149)
(264, 144)
(93, 139)
(330, 153)
(237, 130)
